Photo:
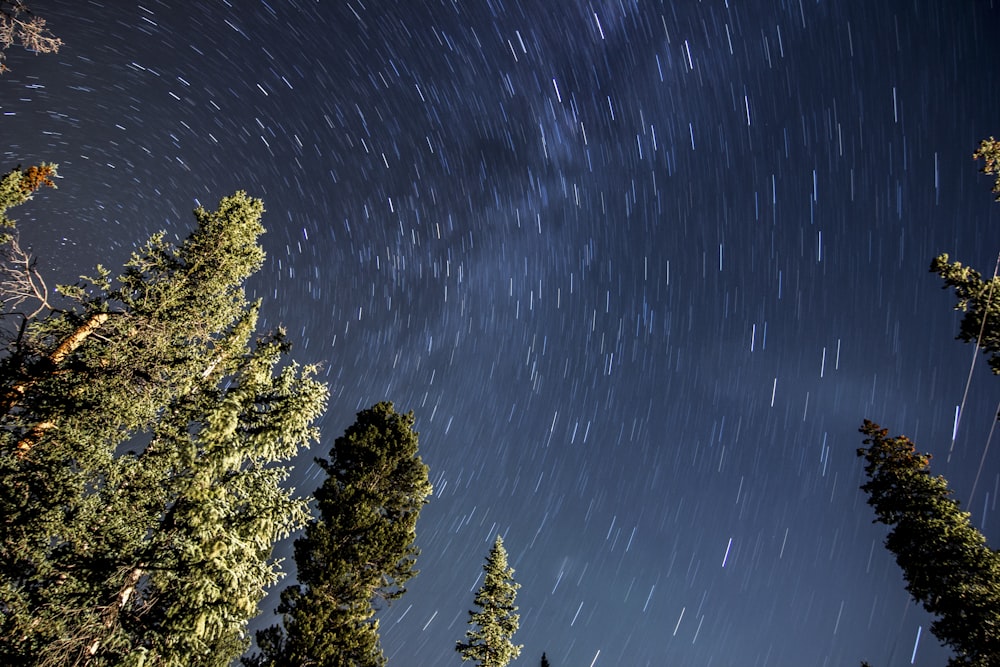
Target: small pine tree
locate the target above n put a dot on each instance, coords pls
(545, 661)
(492, 627)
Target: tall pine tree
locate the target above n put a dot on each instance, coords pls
(140, 430)
(948, 567)
(947, 564)
(489, 637)
(359, 552)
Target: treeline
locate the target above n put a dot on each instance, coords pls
(146, 429)
(145, 433)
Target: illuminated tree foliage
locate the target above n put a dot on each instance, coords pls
(20, 280)
(488, 639)
(142, 431)
(946, 562)
(979, 299)
(989, 153)
(358, 553)
(18, 25)
(948, 567)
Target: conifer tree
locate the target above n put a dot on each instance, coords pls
(358, 553)
(948, 567)
(488, 639)
(977, 298)
(140, 430)
(946, 562)
(545, 661)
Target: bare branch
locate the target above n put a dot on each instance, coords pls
(20, 280)
(19, 26)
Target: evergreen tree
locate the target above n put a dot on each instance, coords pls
(545, 661)
(948, 567)
(359, 552)
(989, 153)
(139, 435)
(979, 299)
(945, 560)
(492, 627)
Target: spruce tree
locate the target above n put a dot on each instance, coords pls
(977, 298)
(488, 639)
(948, 567)
(359, 552)
(545, 661)
(141, 435)
(945, 560)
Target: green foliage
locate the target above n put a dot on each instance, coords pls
(977, 298)
(17, 187)
(492, 627)
(948, 567)
(141, 435)
(989, 152)
(980, 301)
(945, 560)
(358, 552)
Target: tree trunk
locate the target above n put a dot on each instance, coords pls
(76, 339)
(69, 345)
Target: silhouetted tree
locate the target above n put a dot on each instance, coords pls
(545, 661)
(358, 552)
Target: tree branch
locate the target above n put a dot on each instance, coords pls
(20, 279)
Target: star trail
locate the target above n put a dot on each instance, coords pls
(639, 267)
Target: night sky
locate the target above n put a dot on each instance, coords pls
(639, 267)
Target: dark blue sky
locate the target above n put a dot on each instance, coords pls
(640, 268)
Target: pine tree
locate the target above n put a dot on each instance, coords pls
(989, 153)
(545, 661)
(359, 552)
(979, 299)
(139, 435)
(945, 560)
(492, 627)
(948, 567)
